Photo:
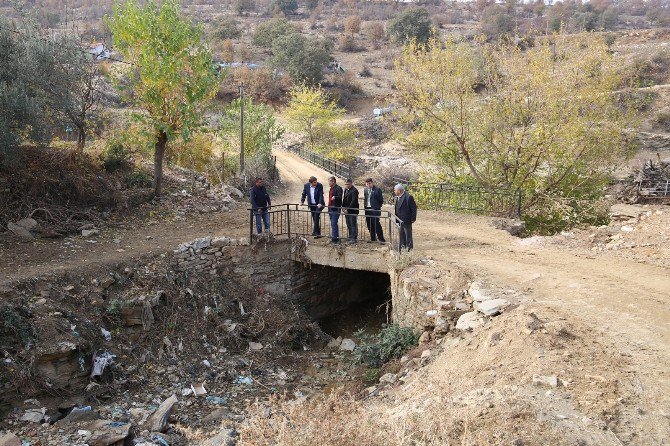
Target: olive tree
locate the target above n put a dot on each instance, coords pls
(545, 120)
(172, 77)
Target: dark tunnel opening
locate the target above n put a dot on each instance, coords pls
(344, 301)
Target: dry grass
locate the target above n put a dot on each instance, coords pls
(339, 419)
(475, 392)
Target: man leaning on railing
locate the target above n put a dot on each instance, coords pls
(260, 201)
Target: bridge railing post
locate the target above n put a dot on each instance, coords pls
(288, 221)
(251, 225)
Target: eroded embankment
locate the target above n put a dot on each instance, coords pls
(154, 330)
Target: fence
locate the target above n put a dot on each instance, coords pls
(654, 189)
(295, 220)
(446, 196)
(335, 167)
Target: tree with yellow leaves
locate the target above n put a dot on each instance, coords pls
(310, 111)
(544, 120)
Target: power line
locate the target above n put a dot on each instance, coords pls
(83, 50)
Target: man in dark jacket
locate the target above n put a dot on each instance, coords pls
(260, 201)
(334, 209)
(350, 209)
(313, 192)
(405, 210)
(373, 201)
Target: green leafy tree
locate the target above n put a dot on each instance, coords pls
(270, 30)
(172, 78)
(261, 130)
(311, 112)
(544, 121)
(22, 104)
(411, 25)
(76, 87)
(302, 58)
(45, 82)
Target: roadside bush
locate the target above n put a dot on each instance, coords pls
(390, 343)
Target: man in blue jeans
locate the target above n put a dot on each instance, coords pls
(260, 201)
(334, 209)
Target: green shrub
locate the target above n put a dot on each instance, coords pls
(138, 178)
(270, 30)
(390, 343)
(117, 157)
(227, 28)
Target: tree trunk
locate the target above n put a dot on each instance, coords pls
(159, 152)
(81, 138)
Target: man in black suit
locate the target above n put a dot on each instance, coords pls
(334, 209)
(350, 209)
(405, 210)
(313, 192)
(373, 200)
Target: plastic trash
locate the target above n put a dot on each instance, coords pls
(216, 400)
(244, 380)
(106, 334)
(198, 389)
(101, 361)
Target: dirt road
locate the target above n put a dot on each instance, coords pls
(624, 304)
(149, 232)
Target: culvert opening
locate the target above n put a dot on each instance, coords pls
(344, 301)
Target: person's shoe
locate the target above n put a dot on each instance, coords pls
(317, 236)
(371, 241)
(351, 242)
(381, 240)
(334, 242)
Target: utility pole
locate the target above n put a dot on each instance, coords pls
(242, 127)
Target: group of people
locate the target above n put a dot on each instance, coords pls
(343, 202)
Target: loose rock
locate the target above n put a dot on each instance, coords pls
(491, 307)
(158, 421)
(348, 345)
(551, 381)
(469, 321)
(9, 439)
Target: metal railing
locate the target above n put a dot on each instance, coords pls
(296, 220)
(477, 200)
(654, 189)
(335, 167)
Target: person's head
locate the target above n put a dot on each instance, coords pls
(259, 181)
(369, 182)
(348, 184)
(399, 189)
(312, 181)
(332, 181)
